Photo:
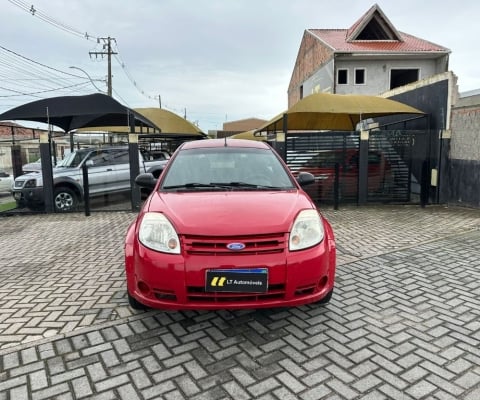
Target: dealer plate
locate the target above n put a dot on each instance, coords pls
(248, 280)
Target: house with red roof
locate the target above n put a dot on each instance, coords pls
(370, 57)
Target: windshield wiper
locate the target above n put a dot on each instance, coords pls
(235, 184)
(220, 186)
(192, 185)
(244, 185)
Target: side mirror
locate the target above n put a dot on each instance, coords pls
(89, 163)
(146, 180)
(305, 178)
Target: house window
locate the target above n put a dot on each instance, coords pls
(360, 76)
(400, 77)
(301, 92)
(342, 77)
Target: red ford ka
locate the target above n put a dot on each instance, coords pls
(227, 226)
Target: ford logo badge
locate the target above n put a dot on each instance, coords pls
(235, 246)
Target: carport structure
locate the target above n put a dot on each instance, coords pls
(175, 129)
(323, 114)
(74, 112)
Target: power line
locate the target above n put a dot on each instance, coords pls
(76, 32)
(43, 91)
(51, 77)
(131, 79)
(37, 77)
(44, 17)
(34, 62)
(24, 77)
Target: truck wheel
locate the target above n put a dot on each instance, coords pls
(65, 200)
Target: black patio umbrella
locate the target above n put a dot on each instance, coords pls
(73, 112)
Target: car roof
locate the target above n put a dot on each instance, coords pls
(225, 142)
(97, 148)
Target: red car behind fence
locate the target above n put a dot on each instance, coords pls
(322, 166)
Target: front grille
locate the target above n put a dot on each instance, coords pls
(198, 294)
(254, 245)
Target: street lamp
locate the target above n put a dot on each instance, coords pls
(90, 78)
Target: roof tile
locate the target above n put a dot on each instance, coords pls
(337, 39)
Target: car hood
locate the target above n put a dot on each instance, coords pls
(230, 213)
(56, 171)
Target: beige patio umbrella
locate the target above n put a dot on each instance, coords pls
(325, 111)
(167, 121)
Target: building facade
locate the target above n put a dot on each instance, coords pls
(370, 57)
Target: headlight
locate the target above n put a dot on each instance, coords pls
(31, 183)
(307, 230)
(157, 233)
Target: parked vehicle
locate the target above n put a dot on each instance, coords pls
(6, 182)
(228, 226)
(108, 172)
(35, 166)
(322, 165)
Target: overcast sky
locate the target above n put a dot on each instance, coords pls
(215, 60)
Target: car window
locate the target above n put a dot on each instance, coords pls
(100, 158)
(207, 166)
(120, 156)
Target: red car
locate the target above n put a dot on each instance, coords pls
(227, 226)
(322, 166)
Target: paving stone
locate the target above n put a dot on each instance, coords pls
(403, 321)
(128, 392)
(51, 392)
(81, 387)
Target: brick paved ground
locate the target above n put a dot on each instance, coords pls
(404, 322)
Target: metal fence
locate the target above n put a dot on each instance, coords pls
(394, 163)
(106, 185)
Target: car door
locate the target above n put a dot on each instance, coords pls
(121, 165)
(101, 171)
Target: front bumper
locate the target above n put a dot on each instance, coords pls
(32, 196)
(179, 281)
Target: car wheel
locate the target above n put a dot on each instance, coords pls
(134, 303)
(65, 200)
(326, 299)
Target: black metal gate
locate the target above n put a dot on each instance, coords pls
(395, 164)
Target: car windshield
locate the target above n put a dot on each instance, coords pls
(233, 168)
(73, 159)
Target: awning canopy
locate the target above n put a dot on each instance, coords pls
(325, 111)
(73, 112)
(167, 121)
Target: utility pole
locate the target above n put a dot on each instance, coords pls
(107, 50)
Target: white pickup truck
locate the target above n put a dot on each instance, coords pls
(108, 172)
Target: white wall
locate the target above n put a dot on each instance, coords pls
(377, 73)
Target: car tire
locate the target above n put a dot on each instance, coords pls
(326, 299)
(65, 199)
(135, 304)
